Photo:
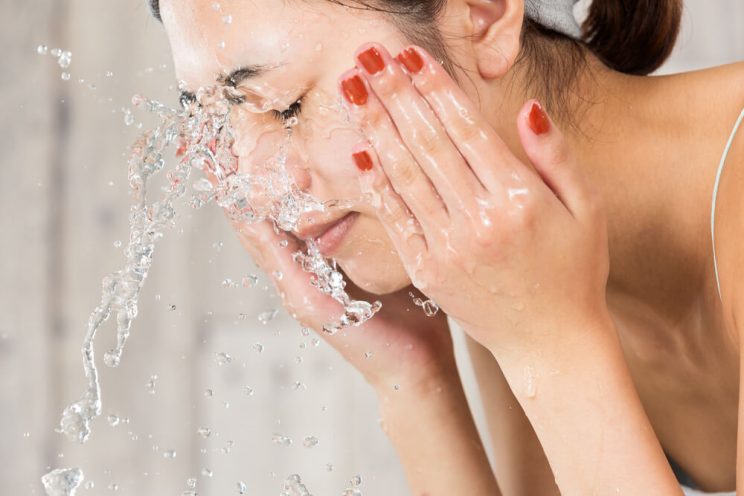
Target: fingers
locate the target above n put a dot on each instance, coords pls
(476, 140)
(402, 228)
(408, 178)
(274, 254)
(547, 149)
(417, 125)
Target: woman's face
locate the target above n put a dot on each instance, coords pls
(303, 47)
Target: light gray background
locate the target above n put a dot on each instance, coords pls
(63, 204)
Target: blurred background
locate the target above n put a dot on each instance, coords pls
(63, 214)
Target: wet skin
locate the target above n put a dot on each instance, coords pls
(682, 354)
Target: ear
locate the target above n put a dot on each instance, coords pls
(496, 26)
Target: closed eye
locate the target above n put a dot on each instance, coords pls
(293, 111)
(283, 115)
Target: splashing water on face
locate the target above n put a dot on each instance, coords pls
(203, 130)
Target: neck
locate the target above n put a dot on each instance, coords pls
(629, 144)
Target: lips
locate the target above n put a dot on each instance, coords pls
(330, 235)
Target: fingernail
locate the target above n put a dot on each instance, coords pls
(354, 90)
(539, 122)
(363, 161)
(411, 60)
(371, 60)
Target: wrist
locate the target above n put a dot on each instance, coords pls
(554, 339)
(435, 387)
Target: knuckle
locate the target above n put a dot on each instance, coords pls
(403, 173)
(391, 85)
(430, 143)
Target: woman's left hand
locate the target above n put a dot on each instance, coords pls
(512, 252)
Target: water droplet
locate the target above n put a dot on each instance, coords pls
(258, 347)
(250, 281)
(62, 481)
(191, 483)
(329, 467)
(117, 244)
(310, 442)
(150, 385)
(172, 308)
(248, 391)
(242, 488)
(208, 393)
(128, 117)
(530, 383)
(64, 59)
(204, 432)
(223, 358)
(170, 454)
(227, 19)
(281, 440)
(368, 354)
(356, 481)
(267, 316)
(207, 472)
(65, 76)
(216, 6)
(42, 49)
(113, 420)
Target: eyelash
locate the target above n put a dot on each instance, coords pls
(293, 111)
(284, 115)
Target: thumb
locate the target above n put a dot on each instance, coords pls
(548, 151)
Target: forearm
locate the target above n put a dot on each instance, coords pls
(580, 398)
(437, 442)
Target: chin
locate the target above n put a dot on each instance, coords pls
(376, 278)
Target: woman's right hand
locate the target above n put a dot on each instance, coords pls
(399, 347)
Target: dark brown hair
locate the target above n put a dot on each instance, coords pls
(629, 36)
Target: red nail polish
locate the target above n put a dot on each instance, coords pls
(539, 122)
(354, 90)
(363, 161)
(411, 60)
(371, 60)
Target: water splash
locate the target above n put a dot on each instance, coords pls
(293, 486)
(202, 128)
(62, 481)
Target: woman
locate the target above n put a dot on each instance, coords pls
(573, 247)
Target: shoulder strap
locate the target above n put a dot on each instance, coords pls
(715, 196)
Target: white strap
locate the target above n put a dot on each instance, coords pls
(715, 195)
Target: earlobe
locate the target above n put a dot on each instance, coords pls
(496, 29)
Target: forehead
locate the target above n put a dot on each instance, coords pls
(211, 37)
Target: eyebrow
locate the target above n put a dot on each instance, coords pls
(231, 79)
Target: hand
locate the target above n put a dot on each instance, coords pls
(506, 250)
(399, 346)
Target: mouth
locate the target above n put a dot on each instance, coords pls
(329, 236)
